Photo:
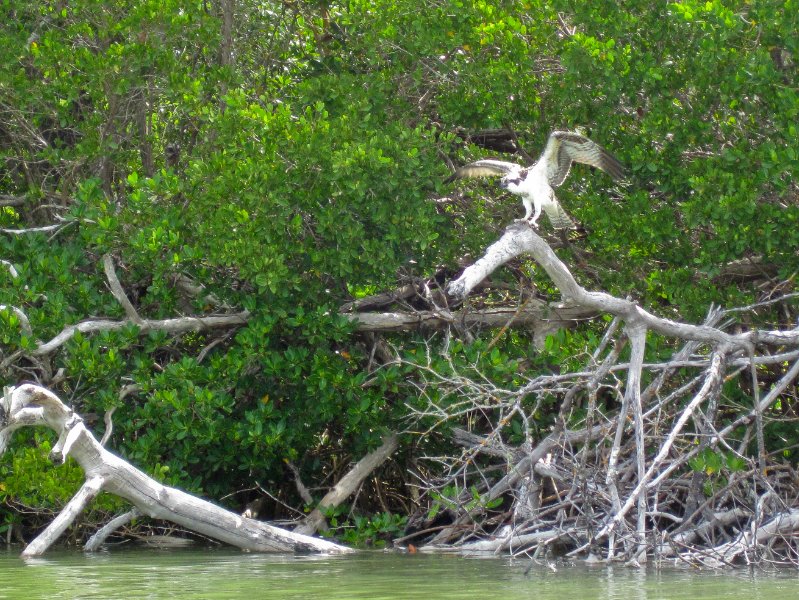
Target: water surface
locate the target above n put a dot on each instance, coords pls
(208, 573)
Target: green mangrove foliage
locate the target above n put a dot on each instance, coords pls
(286, 157)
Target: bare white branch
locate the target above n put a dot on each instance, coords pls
(24, 323)
(177, 325)
(117, 291)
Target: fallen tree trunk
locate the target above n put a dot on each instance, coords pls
(33, 405)
(541, 318)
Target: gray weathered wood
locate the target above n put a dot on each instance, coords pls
(34, 405)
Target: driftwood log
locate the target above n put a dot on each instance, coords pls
(32, 405)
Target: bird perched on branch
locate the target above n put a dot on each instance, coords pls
(535, 184)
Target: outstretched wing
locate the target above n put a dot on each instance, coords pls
(483, 168)
(564, 148)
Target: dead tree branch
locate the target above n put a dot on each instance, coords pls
(628, 492)
(348, 484)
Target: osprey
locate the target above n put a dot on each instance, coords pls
(535, 184)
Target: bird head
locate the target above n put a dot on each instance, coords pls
(513, 180)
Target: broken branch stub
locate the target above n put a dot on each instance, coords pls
(30, 404)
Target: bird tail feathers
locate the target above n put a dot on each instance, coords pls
(558, 217)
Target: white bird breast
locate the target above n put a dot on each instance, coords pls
(532, 186)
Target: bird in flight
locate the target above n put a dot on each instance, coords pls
(535, 184)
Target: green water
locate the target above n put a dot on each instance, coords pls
(145, 573)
